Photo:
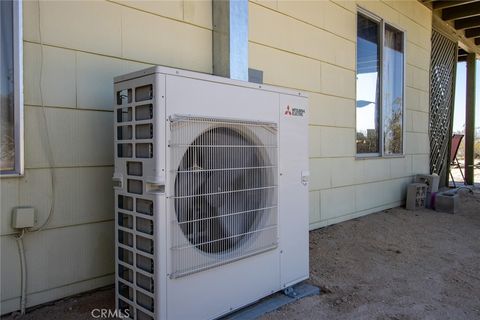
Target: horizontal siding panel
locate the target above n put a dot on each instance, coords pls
(198, 12)
(337, 81)
(401, 167)
(93, 26)
(338, 142)
(171, 8)
(77, 137)
(314, 206)
(157, 40)
(331, 111)
(371, 170)
(299, 37)
(337, 202)
(340, 21)
(312, 12)
(417, 143)
(57, 79)
(82, 195)
(343, 172)
(314, 141)
(320, 173)
(285, 69)
(414, 10)
(382, 10)
(420, 164)
(417, 56)
(57, 257)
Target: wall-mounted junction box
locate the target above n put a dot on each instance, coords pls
(23, 217)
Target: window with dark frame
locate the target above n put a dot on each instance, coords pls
(380, 87)
(10, 102)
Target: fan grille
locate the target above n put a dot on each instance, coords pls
(224, 200)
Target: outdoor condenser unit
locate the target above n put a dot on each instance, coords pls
(211, 193)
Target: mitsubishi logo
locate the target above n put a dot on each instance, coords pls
(296, 112)
(288, 112)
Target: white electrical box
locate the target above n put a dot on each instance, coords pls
(23, 218)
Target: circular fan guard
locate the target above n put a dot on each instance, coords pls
(215, 205)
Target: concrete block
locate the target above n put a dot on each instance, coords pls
(431, 180)
(447, 202)
(416, 196)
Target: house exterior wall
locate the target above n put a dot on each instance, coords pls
(73, 49)
(311, 46)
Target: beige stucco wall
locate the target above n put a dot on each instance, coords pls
(73, 49)
(310, 46)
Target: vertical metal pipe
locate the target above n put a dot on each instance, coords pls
(470, 118)
(230, 38)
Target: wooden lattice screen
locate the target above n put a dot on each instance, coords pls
(442, 94)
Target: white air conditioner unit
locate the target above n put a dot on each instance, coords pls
(211, 193)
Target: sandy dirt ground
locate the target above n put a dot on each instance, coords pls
(395, 264)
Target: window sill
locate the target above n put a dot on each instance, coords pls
(11, 175)
(377, 156)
